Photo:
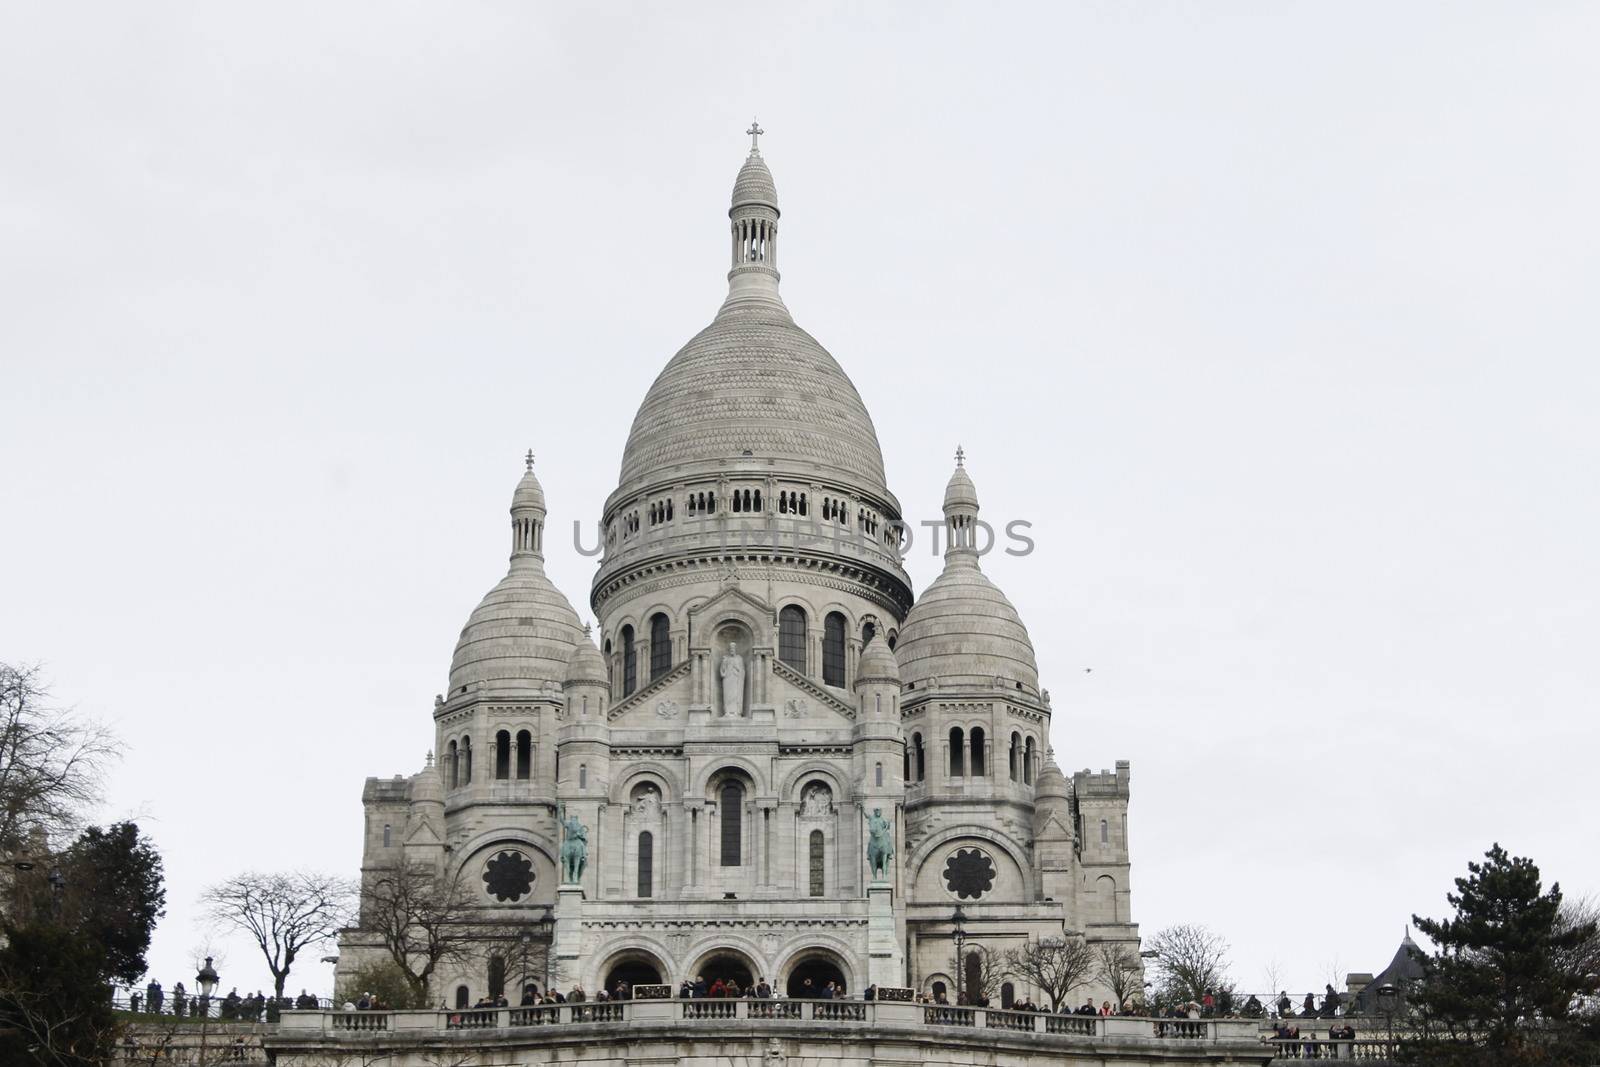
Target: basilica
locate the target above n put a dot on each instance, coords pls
(772, 760)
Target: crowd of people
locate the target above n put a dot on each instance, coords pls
(181, 1004)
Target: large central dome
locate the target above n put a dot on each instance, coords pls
(752, 388)
(754, 383)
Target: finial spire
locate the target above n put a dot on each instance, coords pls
(961, 455)
(755, 131)
(530, 459)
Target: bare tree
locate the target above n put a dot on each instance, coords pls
(1191, 961)
(1056, 965)
(52, 760)
(1583, 958)
(1118, 966)
(980, 982)
(286, 913)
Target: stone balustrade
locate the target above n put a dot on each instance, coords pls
(868, 1014)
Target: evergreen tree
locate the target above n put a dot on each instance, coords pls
(1498, 989)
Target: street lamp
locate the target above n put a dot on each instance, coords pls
(206, 979)
(1388, 1000)
(960, 936)
(525, 940)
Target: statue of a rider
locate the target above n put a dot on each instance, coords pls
(574, 848)
(880, 844)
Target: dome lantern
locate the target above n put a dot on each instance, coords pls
(527, 515)
(961, 512)
(753, 229)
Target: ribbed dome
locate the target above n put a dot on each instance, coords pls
(754, 185)
(519, 637)
(964, 632)
(586, 665)
(877, 664)
(753, 381)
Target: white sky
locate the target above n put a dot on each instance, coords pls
(1277, 321)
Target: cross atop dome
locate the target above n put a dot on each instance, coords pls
(755, 131)
(530, 459)
(961, 455)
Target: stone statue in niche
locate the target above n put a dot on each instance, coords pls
(732, 672)
(648, 802)
(816, 801)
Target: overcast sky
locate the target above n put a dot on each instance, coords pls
(1277, 321)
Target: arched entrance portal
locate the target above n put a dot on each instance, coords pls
(819, 970)
(724, 966)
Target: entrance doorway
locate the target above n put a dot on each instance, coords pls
(818, 971)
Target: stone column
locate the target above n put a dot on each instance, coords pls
(569, 926)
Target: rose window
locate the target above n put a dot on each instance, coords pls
(508, 876)
(968, 873)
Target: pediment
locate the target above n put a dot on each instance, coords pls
(732, 603)
(672, 688)
(795, 688)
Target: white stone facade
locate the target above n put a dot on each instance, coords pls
(761, 683)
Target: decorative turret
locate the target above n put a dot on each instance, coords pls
(879, 742)
(1053, 832)
(425, 824)
(587, 687)
(961, 512)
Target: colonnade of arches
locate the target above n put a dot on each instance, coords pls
(968, 755)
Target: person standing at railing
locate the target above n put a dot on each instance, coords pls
(153, 996)
(763, 990)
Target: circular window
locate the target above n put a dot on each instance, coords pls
(969, 873)
(508, 876)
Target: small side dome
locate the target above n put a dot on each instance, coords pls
(877, 664)
(426, 786)
(586, 666)
(963, 631)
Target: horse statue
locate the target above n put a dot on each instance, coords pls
(574, 848)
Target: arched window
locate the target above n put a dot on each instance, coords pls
(868, 629)
(630, 663)
(877, 774)
(833, 649)
(497, 976)
(939, 990)
(1008, 996)
(466, 761)
(583, 776)
(524, 755)
(660, 646)
(974, 977)
(922, 763)
(1105, 832)
(1027, 762)
(647, 857)
(818, 878)
(502, 755)
(957, 764)
(453, 766)
(461, 996)
(905, 774)
(387, 840)
(758, 500)
(732, 805)
(1016, 743)
(979, 755)
(792, 637)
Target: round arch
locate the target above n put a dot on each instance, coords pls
(635, 964)
(983, 834)
(727, 961)
(701, 785)
(658, 774)
(823, 960)
(501, 838)
(790, 789)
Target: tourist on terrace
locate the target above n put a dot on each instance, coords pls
(763, 990)
(577, 996)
